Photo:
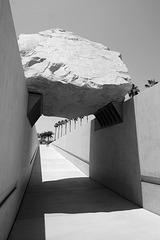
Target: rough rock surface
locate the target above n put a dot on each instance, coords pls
(76, 76)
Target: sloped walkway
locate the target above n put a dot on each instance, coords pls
(61, 203)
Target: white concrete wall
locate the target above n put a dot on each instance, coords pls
(18, 141)
(126, 157)
(75, 146)
(147, 107)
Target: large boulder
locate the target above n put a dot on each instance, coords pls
(76, 76)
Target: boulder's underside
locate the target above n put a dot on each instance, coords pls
(76, 76)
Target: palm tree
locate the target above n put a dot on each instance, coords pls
(134, 91)
(151, 83)
(87, 118)
(75, 120)
(59, 124)
(65, 122)
(56, 126)
(81, 120)
(42, 137)
(70, 121)
(49, 135)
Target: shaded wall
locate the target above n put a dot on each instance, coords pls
(18, 141)
(126, 157)
(114, 158)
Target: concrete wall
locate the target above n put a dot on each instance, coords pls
(18, 141)
(75, 146)
(126, 157)
(147, 107)
(114, 159)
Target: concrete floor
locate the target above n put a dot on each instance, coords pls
(61, 203)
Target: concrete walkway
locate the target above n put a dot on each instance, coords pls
(61, 203)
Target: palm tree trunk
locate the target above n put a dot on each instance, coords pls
(70, 125)
(61, 130)
(58, 132)
(55, 136)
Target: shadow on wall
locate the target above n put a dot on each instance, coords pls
(114, 156)
(69, 196)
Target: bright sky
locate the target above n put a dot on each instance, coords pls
(127, 26)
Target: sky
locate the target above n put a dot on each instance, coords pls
(130, 27)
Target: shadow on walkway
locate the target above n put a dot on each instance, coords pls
(79, 195)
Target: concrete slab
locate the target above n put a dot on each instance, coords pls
(62, 203)
(120, 225)
(56, 167)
